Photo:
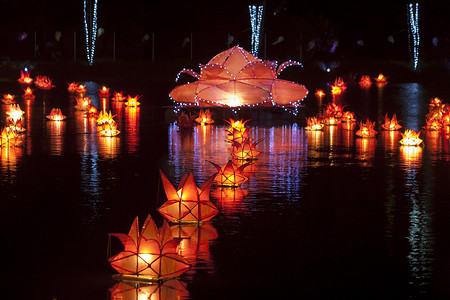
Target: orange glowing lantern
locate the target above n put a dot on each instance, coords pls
(43, 82)
(8, 99)
(83, 103)
(109, 129)
(118, 96)
(25, 78)
(366, 130)
(73, 87)
(14, 118)
(92, 111)
(148, 255)
(105, 118)
(188, 204)
(433, 124)
(236, 124)
(9, 138)
(338, 87)
(334, 110)
(171, 289)
(133, 101)
(56, 115)
(28, 94)
(104, 92)
(391, 124)
(81, 90)
(381, 80)
(314, 124)
(245, 150)
(435, 102)
(239, 135)
(320, 94)
(185, 121)
(348, 116)
(365, 81)
(410, 138)
(204, 117)
(230, 175)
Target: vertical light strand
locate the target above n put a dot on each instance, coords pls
(90, 29)
(413, 28)
(256, 13)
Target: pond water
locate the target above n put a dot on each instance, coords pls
(323, 215)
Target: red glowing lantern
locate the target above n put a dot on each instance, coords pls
(366, 130)
(365, 81)
(150, 254)
(236, 78)
(72, 87)
(245, 150)
(28, 94)
(104, 92)
(25, 78)
(188, 204)
(338, 87)
(433, 124)
(204, 117)
(8, 99)
(348, 116)
(381, 80)
(410, 138)
(320, 94)
(81, 90)
(43, 82)
(133, 101)
(118, 96)
(314, 124)
(56, 115)
(391, 124)
(230, 175)
(83, 103)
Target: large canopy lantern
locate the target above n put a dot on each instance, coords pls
(236, 78)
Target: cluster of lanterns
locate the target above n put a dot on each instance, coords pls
(12, 134)
(334, 114)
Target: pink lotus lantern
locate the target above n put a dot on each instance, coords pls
(391, 124)
(188, 203)
(104, 92)
(236, 78)
(8, 99)
(204, 117)
(43, 82)
(245, 150)
(410, 138)
(56, 115)
(230, 175)
(366, 130)
(133, 101)
(314, 124)
(148, 255)
(118, 96)
(25, 78)
(334, 110)
(28, 94)
(365, 81)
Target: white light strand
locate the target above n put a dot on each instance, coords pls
(90, 29)
(413, 22)
(256, 13)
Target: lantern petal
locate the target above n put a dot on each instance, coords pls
(169, 189)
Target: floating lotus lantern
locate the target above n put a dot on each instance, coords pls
(185, 121)
(73, 87)
(56, 115)
(188, 204)
(365, 81)
(43, 82)
(320, 94)
(391, 124)
(109, 129)
(366, 130)
(171, 289)
(433, 124)
(204, 117)
(348, 117)
(230, 175)
(338, 87)
(14, 118)
(83, 103)
(28, 94)
(381, 80)
(245, 150)
(118, 96)
(237, 124)
(239, 135)
(25, 78)
(9, 138)
(148, 255)
(236, 78)
(410, 138)
(81, 90)
(92, 111)
(105, 118)
(334, 110)
(435, 102)
(8, 99)
(133, 101)
(314, 124)
(103, 92)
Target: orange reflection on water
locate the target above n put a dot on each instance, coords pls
(55, 131)
(172, 289)
(132, 119)
(411, 155)
(9, 157)
(390, 139)
(365, 149)
(108, 146)
(86, 135)
(229, 199)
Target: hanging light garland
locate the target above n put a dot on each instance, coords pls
(256, 13)
(90, 29)
(413, 28)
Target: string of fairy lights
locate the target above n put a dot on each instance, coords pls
(413, 28)
(90, 28)
(256, 13)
